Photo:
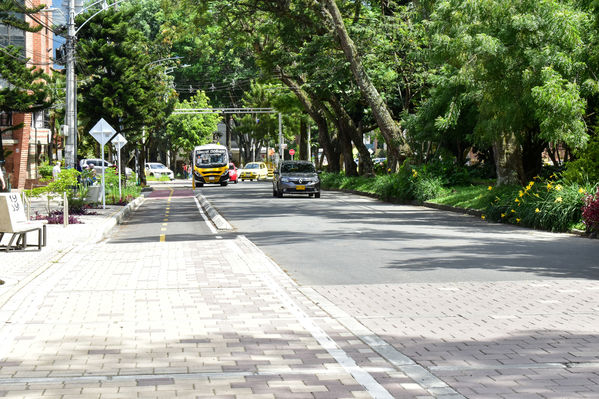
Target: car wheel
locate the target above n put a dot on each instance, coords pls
(310, 195)
(224, 184)
(317, 195)
(199, 184)
(274, 193)
(280, 194)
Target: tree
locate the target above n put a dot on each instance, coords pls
(521, 65)
(120, 80)
(389, 128)
(185, 131)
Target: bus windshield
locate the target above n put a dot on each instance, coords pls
(211, 158)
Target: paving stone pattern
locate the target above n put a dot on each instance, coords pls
(501, 340)
(176, 319)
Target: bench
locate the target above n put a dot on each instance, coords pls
(14, 221)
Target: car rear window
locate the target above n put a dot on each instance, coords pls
(297, 168)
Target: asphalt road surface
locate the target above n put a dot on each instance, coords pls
(349, 239)
(168, 214)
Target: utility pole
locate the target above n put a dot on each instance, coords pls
(71, 97)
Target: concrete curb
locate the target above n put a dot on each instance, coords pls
(219, 221)
(117, 218)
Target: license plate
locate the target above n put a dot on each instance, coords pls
(300, 188)
(212, 178)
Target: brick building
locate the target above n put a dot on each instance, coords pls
(27, 146)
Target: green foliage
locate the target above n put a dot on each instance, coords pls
(544, 204)
(45, 169)
(466, 197)
(585, 169)
(186, 131)
(66, 182)
(119, 80)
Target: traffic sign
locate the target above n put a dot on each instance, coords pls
(292, 152)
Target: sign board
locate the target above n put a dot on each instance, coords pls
(119, 141)
(102, 132)
(292, 152)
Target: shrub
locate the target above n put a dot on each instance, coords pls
(45, 170)
(450, 173)
(428, 187)
(586, 167)
(553, 205)
(590, 212)
(56, 217)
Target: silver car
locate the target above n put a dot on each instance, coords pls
(296, 177)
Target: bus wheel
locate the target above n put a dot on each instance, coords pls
(224, 184)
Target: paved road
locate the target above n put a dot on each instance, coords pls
(348, 239)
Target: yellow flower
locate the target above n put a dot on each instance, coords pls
(414, 172)
(537, 195)
(558, 199)
(490, 188)
(516, 200)
(536, 178)
(513, 211)
(503, 215)
(517, 220)
(581, 190)
(530, 184)
(520, 193)
(549, 186)
(537, 210)
(483, 217)
(558, 187)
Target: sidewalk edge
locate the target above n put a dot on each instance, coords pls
(216, 218)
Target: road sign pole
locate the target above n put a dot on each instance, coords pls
(103, 181)
(119, 171)
(281, 137)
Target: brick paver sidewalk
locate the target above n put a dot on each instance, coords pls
(500, 340)
(210, 318)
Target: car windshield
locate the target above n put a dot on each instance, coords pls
(297, 168)
(214, 157)
(157, 166)
(251, 166)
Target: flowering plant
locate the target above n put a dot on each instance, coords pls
(590, 211)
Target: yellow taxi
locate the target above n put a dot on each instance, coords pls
(254, 171)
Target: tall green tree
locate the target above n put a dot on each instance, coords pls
(185, 131)
(121, 81)
(520, 64)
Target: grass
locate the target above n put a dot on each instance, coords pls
(468, 197)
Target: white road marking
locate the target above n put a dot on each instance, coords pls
(208, 222)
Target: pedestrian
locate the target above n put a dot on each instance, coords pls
(2, 182)
(56, 170)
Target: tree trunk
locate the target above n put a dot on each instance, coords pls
(348, 125)
(508, 160)
(316, 113)
(303, 140)
(532, 156)
(390, 130)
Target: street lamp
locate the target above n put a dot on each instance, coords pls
(71, 95)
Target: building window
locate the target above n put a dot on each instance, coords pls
(5, 118)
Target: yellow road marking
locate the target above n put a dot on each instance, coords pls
(163, 236)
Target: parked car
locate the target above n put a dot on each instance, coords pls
(232, 173)
(157, 169)
(296, 177)
(254, 171)
(100, 164)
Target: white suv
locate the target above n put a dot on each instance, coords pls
(156, 169)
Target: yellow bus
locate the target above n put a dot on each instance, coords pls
(210, 165)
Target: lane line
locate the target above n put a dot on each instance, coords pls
(419, 374)
(206, 220)
(362, 376)
(166, 214)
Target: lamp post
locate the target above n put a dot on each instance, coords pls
(71, 95)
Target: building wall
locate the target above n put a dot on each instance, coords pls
(27, 143)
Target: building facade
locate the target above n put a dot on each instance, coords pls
(25, 148)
